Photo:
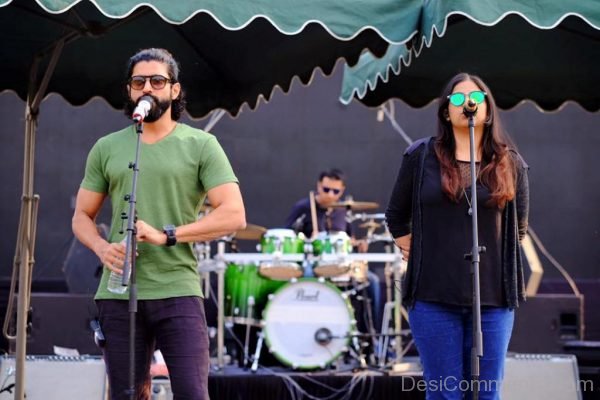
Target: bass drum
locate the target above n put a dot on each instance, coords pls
(307, 324)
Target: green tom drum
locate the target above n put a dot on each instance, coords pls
(278, 242)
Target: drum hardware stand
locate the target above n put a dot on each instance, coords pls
(367, 304)
(360, 356)
(399, 366)
(398, 304)
(220, 269)
(248, 326)
(259, 344)
(203, 255)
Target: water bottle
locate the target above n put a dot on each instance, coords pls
(115, 280)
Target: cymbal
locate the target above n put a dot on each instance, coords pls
(356, 205)
(251, 232)
(370, 225)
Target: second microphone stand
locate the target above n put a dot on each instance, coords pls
(474, 257)
(129, 270)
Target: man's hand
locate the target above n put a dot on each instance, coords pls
(149, 234)
(112, 256)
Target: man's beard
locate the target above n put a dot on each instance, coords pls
(157, 110)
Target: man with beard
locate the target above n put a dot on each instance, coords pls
(178, 167)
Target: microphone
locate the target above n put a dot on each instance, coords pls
(143, 107)
(470, 108)
(298, 223)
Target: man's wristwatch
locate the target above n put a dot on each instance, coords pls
(169, 230)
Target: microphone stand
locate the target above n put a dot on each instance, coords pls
(474, 256)
(129, 265)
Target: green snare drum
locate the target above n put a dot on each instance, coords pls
(278, 242)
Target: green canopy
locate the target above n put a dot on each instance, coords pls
(231, 52)
(547, 51)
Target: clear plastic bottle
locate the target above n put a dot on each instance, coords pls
(115, 280)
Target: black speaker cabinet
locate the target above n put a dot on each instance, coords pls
(56, 378)
(542, 377)
(61, 319)
(545, 322)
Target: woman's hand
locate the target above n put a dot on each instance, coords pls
(403, 242)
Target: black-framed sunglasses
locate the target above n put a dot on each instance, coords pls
(458, 98)
(157, 82)
(328, 189)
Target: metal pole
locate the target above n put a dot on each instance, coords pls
(26, 258)
(220, 304)
(398, 305)
(29, 203)
(477, 349)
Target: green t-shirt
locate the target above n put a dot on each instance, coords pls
(174, 176)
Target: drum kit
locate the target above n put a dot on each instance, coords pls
(299, 292)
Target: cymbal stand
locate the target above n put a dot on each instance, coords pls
(387, 310)
(259, 345)
(203, 255)
(360, 291)
(397, 265)
(399, 366)
(220, 269)
(383, 341)
(393, 310)
(248, 326)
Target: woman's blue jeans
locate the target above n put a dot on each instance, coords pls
(443, 335)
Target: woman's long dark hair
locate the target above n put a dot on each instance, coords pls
(497, 169)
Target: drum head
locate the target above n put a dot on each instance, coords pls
(296, 313)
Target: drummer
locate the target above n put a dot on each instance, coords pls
(330, 188)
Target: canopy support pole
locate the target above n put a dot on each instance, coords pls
(391, 115)
(24, 258)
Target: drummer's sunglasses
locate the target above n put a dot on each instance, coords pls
(157, 82)
(327, 189)
(458, 99)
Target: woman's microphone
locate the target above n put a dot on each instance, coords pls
(470, 108)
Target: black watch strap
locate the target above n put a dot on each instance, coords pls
(169, 230)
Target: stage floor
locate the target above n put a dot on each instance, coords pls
(283, 384)
(527, 376)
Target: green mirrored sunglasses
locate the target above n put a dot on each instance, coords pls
(458, 98)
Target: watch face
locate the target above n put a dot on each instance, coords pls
(169, 230)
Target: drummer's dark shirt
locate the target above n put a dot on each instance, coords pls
(300, 220)
(447, 236)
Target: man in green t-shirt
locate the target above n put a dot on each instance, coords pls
(178, 167)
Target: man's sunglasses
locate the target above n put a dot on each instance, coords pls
(327, 189)
(458, 99)
(157, 82)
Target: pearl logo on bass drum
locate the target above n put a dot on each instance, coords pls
(301, 295)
